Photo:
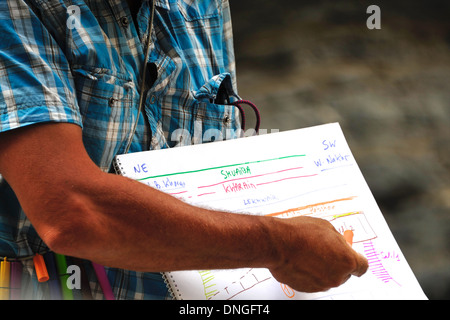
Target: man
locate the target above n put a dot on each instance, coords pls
(84, 80)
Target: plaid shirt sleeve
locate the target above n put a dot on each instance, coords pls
(35, 82)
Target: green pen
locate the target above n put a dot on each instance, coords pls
(61, 265)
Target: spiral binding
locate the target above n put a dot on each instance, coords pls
(171, 286)
(118, 166)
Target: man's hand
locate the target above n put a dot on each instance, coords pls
(314, 256)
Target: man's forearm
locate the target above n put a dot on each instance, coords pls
(81, 211)
(129, 225)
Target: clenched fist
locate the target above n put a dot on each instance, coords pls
(313, 256)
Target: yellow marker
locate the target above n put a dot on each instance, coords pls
(5, 270)
(348, 236)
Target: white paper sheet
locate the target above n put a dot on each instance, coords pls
(308, 172)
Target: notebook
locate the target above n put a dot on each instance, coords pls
(304, 172)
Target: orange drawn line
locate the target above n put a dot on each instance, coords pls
(287, 290)
(308, 206)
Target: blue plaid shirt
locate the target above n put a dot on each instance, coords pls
(83, 65)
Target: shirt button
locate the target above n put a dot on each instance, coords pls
(152, 99)
(125, 22)
(112, 101)
(226, 120)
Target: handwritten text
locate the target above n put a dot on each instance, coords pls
(238, 186)
(167, 183)
(239, 171)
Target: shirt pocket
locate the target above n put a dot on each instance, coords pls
(107, 109)
(195, 10)
(206, 114)
(215, 122)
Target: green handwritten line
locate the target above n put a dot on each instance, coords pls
(220, 167)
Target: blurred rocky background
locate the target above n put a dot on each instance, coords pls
(306, 63)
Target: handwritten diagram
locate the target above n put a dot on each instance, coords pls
(307, 172)
(376, 267)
